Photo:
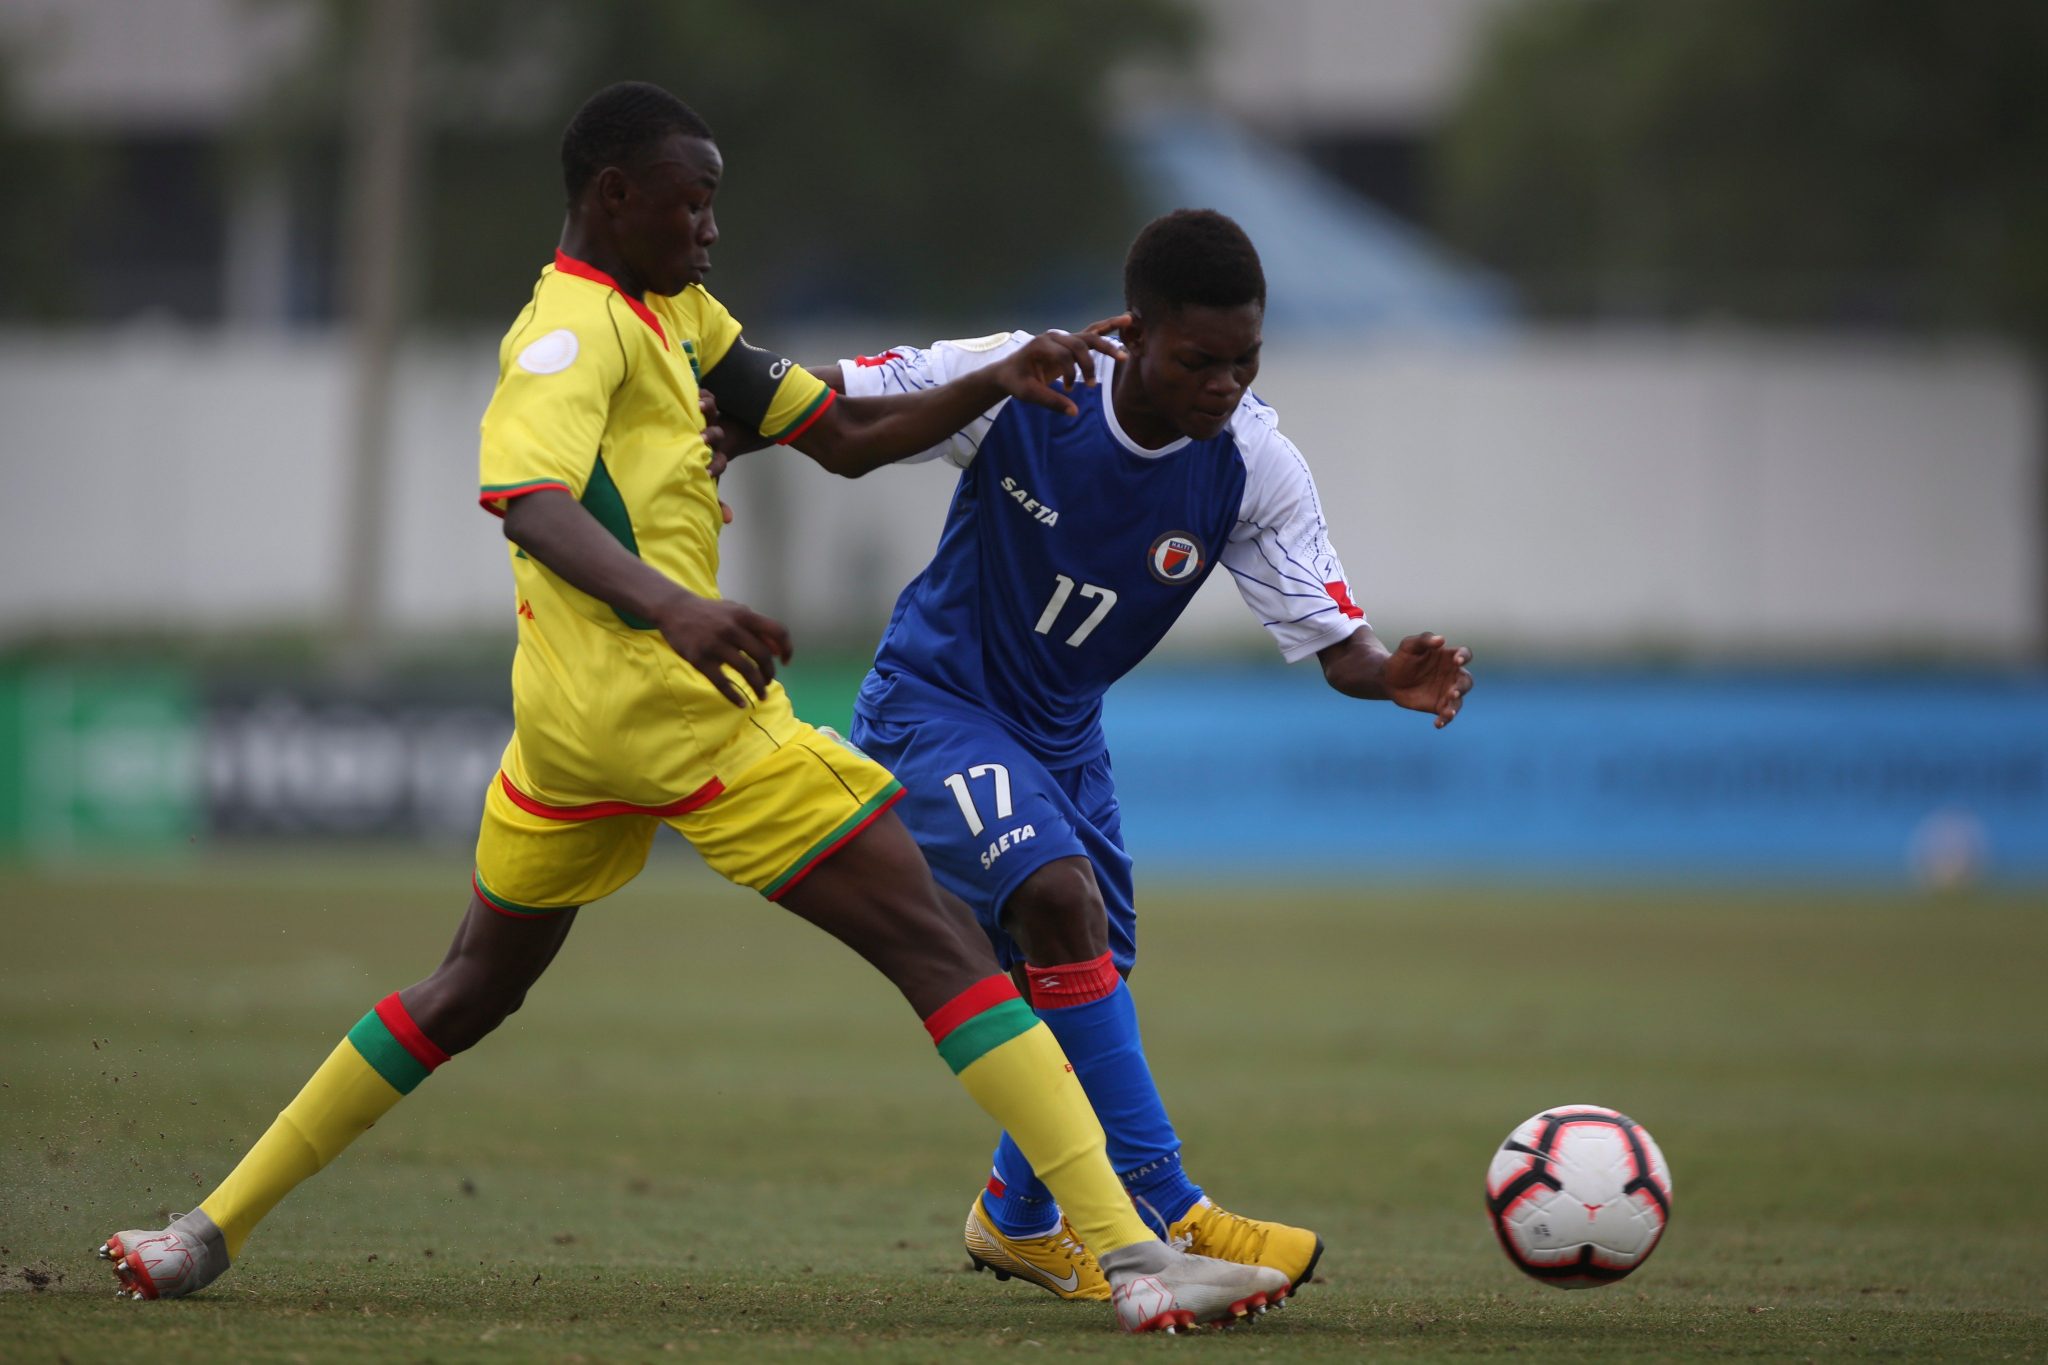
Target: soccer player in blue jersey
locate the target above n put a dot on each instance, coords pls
(1072, 545)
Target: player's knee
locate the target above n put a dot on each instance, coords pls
(1057, 914)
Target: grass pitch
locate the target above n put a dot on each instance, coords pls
(712, 1132)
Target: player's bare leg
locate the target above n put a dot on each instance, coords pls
(490, 965)
(877, 896)
(492, 962)
(1057, 916)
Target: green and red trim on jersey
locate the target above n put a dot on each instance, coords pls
(979, 1020)
(837, 839)
(803, 420)
(494, 495)
(598, 810)
(584, 270)
(1075, 983)
(393, 1045)
(512, 909)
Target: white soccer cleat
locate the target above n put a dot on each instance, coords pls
(1177, 1290)
(178, 1260)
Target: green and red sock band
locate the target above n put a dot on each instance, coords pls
(1076, 983)
(393, 1045)
(979, 1020)
(837, 839)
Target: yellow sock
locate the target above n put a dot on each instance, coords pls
(1015, 1070)
(384, 1056)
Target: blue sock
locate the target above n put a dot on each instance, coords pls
(1162, 1191)
(1017, 1200)
(1090, 1012)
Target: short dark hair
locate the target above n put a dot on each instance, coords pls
(616, 124)
(1192, 257)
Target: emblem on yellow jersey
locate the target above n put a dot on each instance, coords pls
(550, 354)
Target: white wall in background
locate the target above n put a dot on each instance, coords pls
(1716, 493)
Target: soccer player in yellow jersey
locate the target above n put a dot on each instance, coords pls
(642, 698)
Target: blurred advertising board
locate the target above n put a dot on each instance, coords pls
(1244, 772)
(104, 758)
(310, 762)
(92, 758)
(1722, 777)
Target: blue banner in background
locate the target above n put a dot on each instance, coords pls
(1265, 771)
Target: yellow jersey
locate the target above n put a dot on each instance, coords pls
(597, 396)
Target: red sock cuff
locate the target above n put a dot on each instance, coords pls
(1075, 983)
(392, 1014)
(982, 996)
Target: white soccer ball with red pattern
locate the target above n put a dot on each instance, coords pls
(1579, 1196)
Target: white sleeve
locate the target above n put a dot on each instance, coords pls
(907, 369)
(1279, 552)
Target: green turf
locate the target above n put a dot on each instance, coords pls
(712, 1132)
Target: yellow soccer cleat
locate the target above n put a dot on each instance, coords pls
(1207, 1230)
(1056, 1261)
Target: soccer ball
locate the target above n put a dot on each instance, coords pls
(1579, 1196)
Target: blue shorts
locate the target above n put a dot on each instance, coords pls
(988, 814)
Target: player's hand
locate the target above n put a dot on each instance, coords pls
(715, 435)
(728, 440)
(712, 635)
(721, 440)
(1066, 359)
(1425, 673)
(1104, 326)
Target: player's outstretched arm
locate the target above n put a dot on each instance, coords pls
(709, 634)
(1425, 673)
(834, 378)
(856, 436)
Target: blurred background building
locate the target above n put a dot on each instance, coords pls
(1683, 359)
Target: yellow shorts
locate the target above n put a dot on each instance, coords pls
(765, 826)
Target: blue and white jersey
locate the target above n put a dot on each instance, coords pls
(1070, 550)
